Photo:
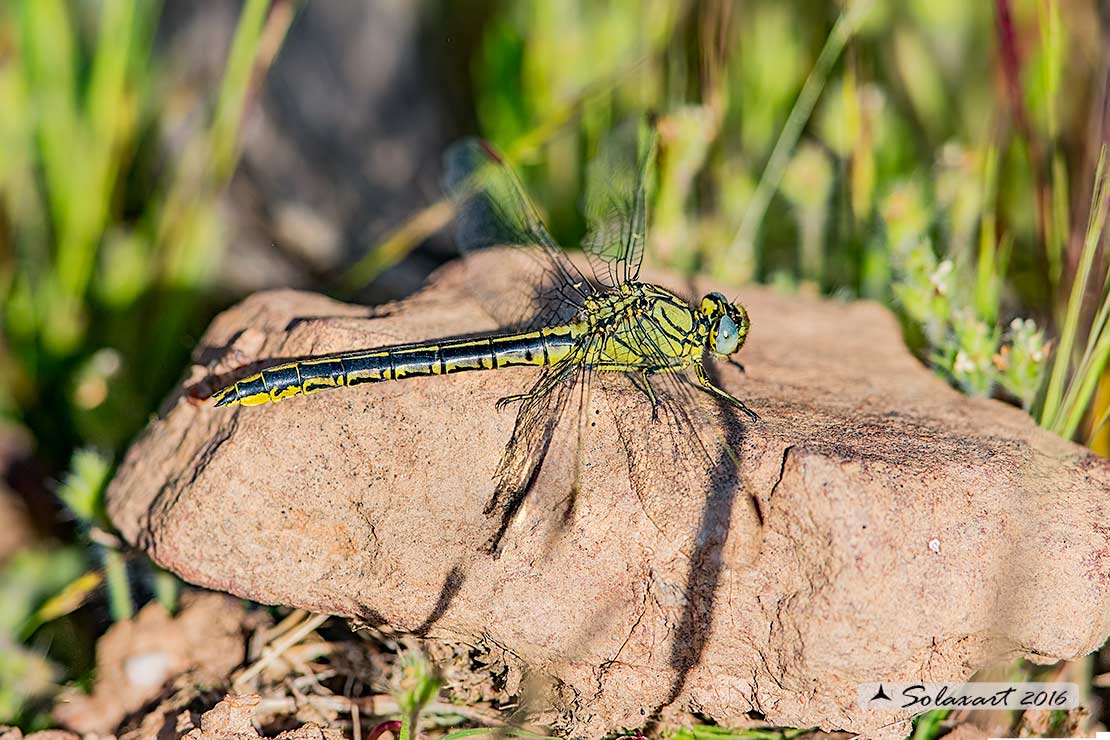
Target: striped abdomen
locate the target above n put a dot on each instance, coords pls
(543, 347)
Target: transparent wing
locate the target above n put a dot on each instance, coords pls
(616, 204)
(536, 421)
(690, 446)
(494, 211)
(684, 470)
(679, 463)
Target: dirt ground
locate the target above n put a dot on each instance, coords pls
(221, 671)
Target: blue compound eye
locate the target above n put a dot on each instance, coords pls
(727, 333)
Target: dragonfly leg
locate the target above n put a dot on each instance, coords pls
(506, 400)
(737, 364)
(541, 389)
(707, 384)
(645, 376)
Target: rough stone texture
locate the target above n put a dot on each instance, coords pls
(883, 527)
(137, 658)
(14, 733)
(233, 719)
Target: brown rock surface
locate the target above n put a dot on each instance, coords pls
(883, 527)
(135, 659)
(14, 733)
(233, 719)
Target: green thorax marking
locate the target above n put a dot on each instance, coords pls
(668, 331)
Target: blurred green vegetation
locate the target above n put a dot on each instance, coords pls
(940, 156)
(912, 153)
(106, 251)
(916, 154)
(106, 258)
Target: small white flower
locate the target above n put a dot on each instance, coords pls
(939, 278)
(963, 364)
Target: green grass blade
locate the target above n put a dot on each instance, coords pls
(495, 732)
(988, 274)
(1051, 416)
(119, 587)
(233, 92)
(743, 243)
(48, 56)
(1082, 387)
(1058, 227)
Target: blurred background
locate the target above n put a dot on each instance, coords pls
(160, 160)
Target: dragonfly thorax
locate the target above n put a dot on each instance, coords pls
(641, 326)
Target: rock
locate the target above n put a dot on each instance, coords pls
(137, 658)
(14, 733)
(52, 735)
(880, 526)
(233, 719)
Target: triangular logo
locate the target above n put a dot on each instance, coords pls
(880, 694)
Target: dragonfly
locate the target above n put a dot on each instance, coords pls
(576, 329)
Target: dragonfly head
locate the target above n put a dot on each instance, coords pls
(728, 324)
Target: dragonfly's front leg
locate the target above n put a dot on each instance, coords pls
(706, 383)
(645, 377)
(545, 386)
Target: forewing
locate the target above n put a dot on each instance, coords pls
(683, 463)
(684, 468)
(494, 211)
(535, 425)
(616, 203)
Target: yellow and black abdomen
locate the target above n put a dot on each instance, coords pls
(543, 347)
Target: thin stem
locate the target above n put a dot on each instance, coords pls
(1051, 414)
(410, 722)
(838, 38)
(119, 589)
(166, 589)
(279, 647)
(986, 294)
